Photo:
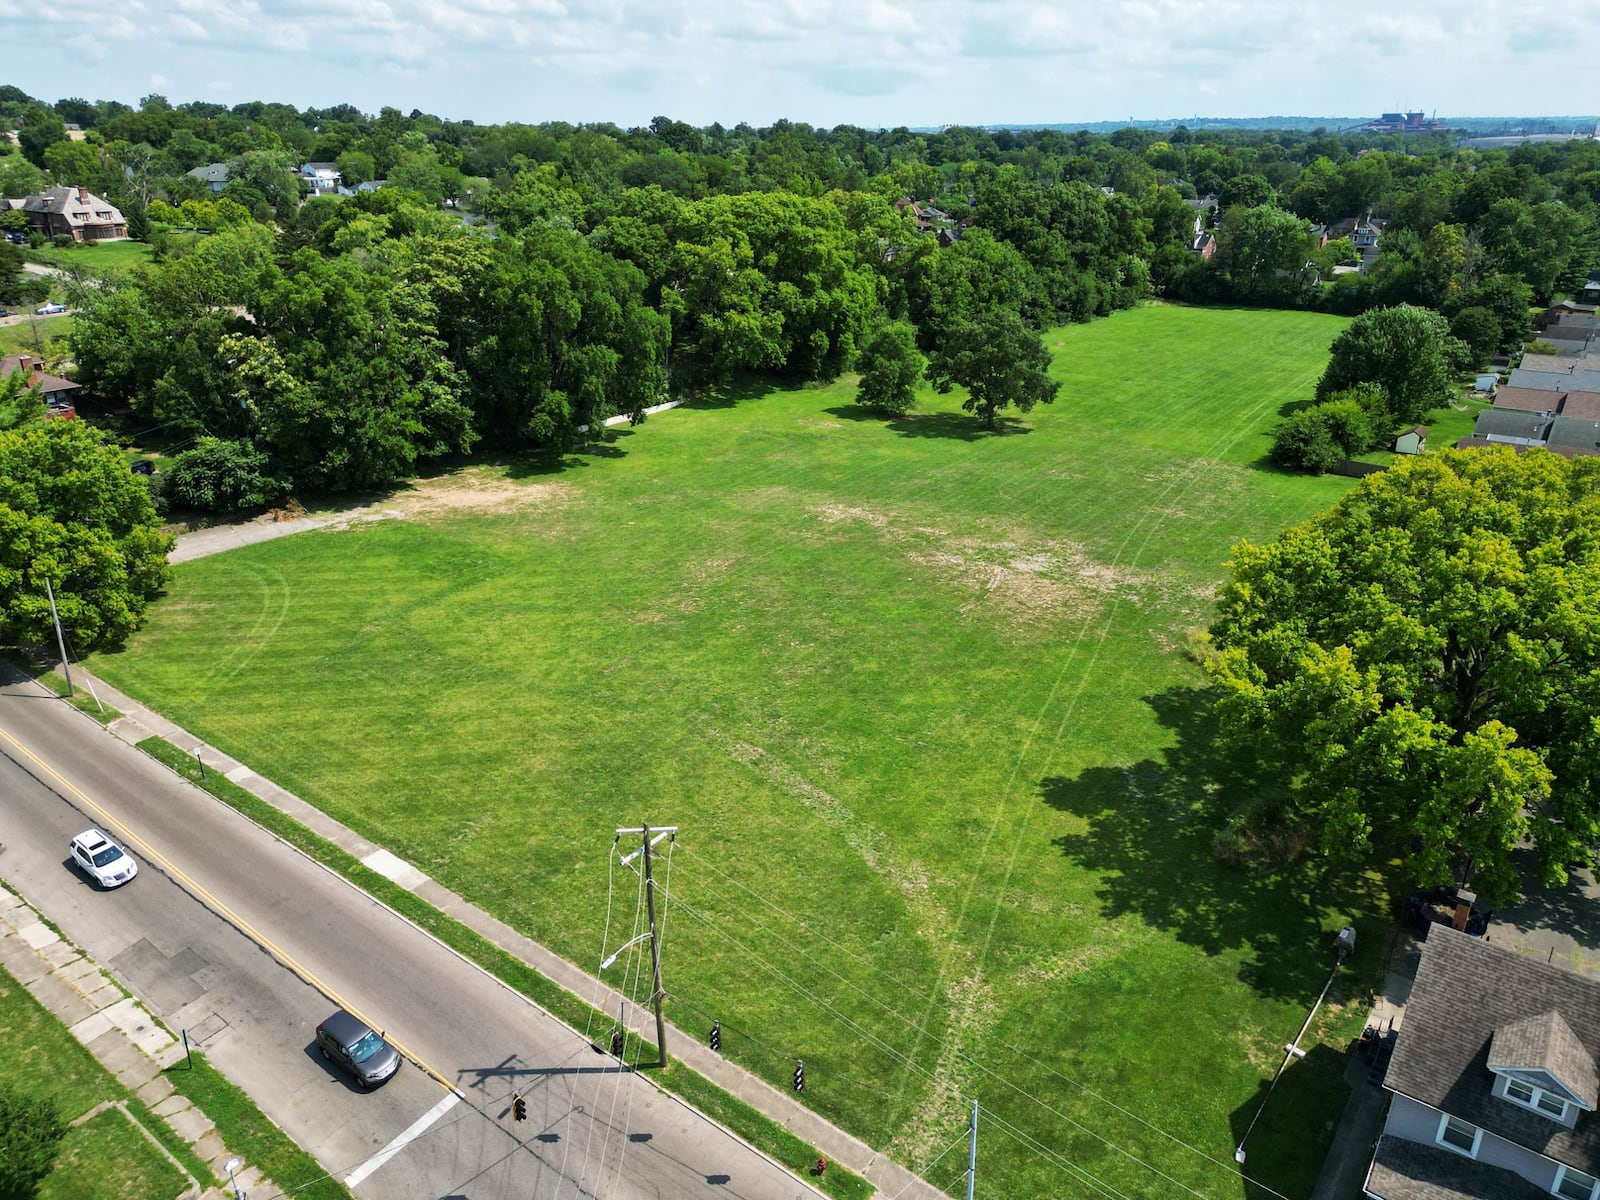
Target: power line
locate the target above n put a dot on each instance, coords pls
(915, 1066)
(986, 1069)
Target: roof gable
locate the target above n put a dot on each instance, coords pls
(1544, 1045)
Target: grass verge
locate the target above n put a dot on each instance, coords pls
(753, 1126)
(250, 1135)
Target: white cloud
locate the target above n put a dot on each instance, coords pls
(860, 61)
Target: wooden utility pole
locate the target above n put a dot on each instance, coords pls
(652, 836)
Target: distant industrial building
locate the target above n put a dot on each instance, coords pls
(1409, 122)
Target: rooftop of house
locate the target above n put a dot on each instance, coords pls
(1474, 1003)
(1512, 423)
(1573, 379)
(212, 173)
(1579, 434)
(1527, 399)
(1581, 404)
(1404, 1170)
(69, 202)
(33, 371)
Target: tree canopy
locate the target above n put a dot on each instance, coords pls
(70, 511)
(1399, 349)
(1420, 666)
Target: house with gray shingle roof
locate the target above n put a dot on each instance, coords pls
(213, 175)
(1513, 427)
(1573, 435)
(74, 212)
(1571, 380)
(1494, 1080)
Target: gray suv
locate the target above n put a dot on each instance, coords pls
(359, 1049)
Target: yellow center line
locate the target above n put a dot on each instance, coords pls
(210, 900)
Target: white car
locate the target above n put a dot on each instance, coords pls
(50, 309)
(105, 862)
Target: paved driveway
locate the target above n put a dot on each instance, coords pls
(1559, 925)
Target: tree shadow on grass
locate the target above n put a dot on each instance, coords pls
(554, 462)
(1149, 833)
(962, 427)
(727, 395)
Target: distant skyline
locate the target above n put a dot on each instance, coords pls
(826, 62)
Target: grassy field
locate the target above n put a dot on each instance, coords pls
(35, 335)
(104, 1158)
(102, 258)
(917, 697)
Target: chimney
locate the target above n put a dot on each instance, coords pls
(1464, 903)
(83, 195)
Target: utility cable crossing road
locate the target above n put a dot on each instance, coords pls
(230, 934)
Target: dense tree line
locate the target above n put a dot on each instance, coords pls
(339, 343)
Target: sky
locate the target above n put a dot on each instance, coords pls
(826, 62)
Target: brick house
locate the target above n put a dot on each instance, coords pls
(74, 212)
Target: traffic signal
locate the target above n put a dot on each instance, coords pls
(799, 1076)
(519, 1108)
(716, 1035)
(616, 1043)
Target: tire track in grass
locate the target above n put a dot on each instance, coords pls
(1174, 490)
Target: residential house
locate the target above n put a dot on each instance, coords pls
(1569, 308)
(1514, 427)
(73, 212)
(1570, 380)
(1203, 244)
(56, 391)
(1412, 441)
(213, 175)
(321, 178)
(1565, 433)
(1494, 1080)
(1205, 213)
(1562, 404)
(1566, 364)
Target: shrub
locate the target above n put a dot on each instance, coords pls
(222, 477)
(1305, 442)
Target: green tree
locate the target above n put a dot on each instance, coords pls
(1265, 251)
(41, 129)
(1510, 300)
(1419, 667)
(1401, 350)
(890, 366)
(222, 477)
(31, 1132)
(999, 360)
(20, 401)
(70, 511)
(1480, 330)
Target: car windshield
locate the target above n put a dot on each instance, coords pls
(104, 858)
(366, 1047)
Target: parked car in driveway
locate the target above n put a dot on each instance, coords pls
(349, 1042)
(102, 860)
(50, 309)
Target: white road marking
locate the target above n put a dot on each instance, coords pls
(416, 1129)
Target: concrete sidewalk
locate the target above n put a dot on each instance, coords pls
(120, 1032)
(139, 722)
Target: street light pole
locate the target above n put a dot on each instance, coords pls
(231, 1167)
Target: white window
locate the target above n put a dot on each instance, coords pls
(1521, 1092)
(1575, 1185)
(1456, 1134)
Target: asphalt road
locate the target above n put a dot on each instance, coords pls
(228, 933)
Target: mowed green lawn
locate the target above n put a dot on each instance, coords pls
(917, 698)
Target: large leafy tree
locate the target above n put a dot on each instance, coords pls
(999, 360)
(565, 341)
(71, 512)
(1401, 350)
(1421, 666)
(890, 366)
(1265, 249)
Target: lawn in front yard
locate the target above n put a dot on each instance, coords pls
(44, 336)
(100, 258)
(919, 700)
